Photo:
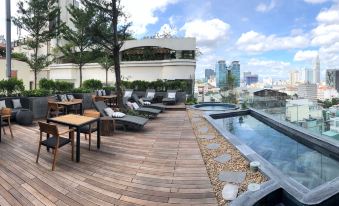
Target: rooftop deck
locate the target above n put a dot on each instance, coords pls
(161, 165)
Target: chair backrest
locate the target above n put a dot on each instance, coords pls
(52, 105)
(100, 106)
(136, 99)
(128, 90)
(6, 111)
(48, 128)
(149, 91)
(171, 91)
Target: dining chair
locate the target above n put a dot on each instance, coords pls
(6, 120)
(89, 129)
(55, 141)
(54, 110)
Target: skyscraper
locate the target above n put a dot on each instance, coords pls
(209, 73)
(307, 75)
(332, 78)
(250, 78)
(221, 74)
(293, 77)
(235, 71)
(316, 70)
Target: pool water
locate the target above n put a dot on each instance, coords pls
(215, 106)
(305, 165)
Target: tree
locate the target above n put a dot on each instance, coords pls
(230, 81)
(110, 30)
(78, 39)
(106, 63)
(35, 17)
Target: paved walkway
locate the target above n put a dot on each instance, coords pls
(161, 165)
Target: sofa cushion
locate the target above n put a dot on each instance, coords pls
(2, 104)
(16, 103)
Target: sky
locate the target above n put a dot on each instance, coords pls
(268, 37)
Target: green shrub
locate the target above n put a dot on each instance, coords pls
(92, 84)
(11, 86)
(191, 100)
(159, 85)
(47, 84)
(62, 86)
(81, 90)
(108, 88)
(36, 93)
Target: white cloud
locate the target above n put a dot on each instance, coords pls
(267, 68)
(255, 42)
(3, 18)
(207, 32)
(329, 16)
(262, 7)
(305, 55)
(142, 12)
(167, 29)
(315, 1)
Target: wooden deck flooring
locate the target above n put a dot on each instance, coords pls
(161, 165)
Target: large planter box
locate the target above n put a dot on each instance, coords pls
(38, 105)
(86, 99)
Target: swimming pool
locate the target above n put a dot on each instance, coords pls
(299, 164)
(305, 165)
(214, 106)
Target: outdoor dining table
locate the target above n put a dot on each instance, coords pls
(73, 102)
(77, 121)
(110, 98)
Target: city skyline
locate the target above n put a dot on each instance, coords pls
(269, 37)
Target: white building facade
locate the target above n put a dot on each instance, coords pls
(307, 91)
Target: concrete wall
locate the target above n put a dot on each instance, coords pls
(23, 71)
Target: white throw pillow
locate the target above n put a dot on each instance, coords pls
(109, 112)
(130, 105)
(135, 105)
(2, 104)
(103, 92)
(16, 103)
(128, 94)
(171, 95)
(147, 103)
(63, 98)
(150, 95)
(118, 114)
(70, 97)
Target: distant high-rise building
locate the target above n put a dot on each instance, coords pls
(235, 71)
(209, 73)
(307, 75)
(250, 78)
(221, 74)
(293, 77)
(332, 78)
(307, 91)
(316, 70)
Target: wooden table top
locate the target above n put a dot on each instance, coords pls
(74, 101)
(72, 119)
(109, 96)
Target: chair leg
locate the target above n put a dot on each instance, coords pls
(54, 159)
(89, 141)
(3, 129)
(37, 158)
(85, 136)
(10, 130)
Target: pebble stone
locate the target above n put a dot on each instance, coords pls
(223, 158)
(234, 177)
(253, 187)
(203, 130)
(230, 191)
(207, 137)
(213, 146)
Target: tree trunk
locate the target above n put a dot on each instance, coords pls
(116, 50)
(35, 79)
(80, 71)
(106, 77)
